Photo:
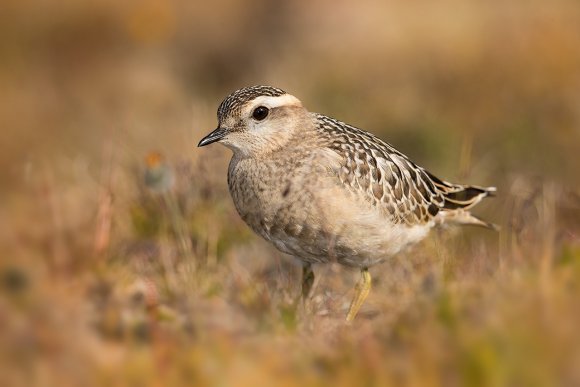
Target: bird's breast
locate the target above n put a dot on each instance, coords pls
(276, 198)
(257, 191)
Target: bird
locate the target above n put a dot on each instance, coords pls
(325, 191)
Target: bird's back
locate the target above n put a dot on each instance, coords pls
(390, 181)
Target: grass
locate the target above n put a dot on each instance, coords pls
(109, 277)
(467, 307)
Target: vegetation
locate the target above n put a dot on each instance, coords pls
(124, 262)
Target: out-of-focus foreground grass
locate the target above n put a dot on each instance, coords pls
(125, 267)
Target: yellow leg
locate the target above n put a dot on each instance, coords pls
(307, 281)
(361, 291)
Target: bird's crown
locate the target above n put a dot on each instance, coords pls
(234, 102)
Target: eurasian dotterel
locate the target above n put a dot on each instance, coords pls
(322, 190)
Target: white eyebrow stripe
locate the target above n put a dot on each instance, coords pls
(272, 102)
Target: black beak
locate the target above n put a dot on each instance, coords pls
(214, 136)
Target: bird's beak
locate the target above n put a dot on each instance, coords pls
(214, 136)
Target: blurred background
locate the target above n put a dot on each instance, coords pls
(124, 262)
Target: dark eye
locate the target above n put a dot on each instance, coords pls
(260, 113)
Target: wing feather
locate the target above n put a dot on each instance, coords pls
(389, 180)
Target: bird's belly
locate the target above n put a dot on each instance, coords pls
(351, 241)
(373, 244)
(355, 232)
(292, 232)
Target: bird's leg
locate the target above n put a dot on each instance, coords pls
(307, 281)
(361, 291)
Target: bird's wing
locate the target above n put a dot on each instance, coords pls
(405, 192)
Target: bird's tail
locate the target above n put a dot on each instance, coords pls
(458, 199)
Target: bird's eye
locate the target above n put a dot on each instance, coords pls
(260, 113)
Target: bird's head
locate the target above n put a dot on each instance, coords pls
(257, 120)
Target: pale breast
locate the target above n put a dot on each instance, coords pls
(275, 197)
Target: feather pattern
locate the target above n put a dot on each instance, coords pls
(403, 191)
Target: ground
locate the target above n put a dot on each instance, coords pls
(125, 263)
